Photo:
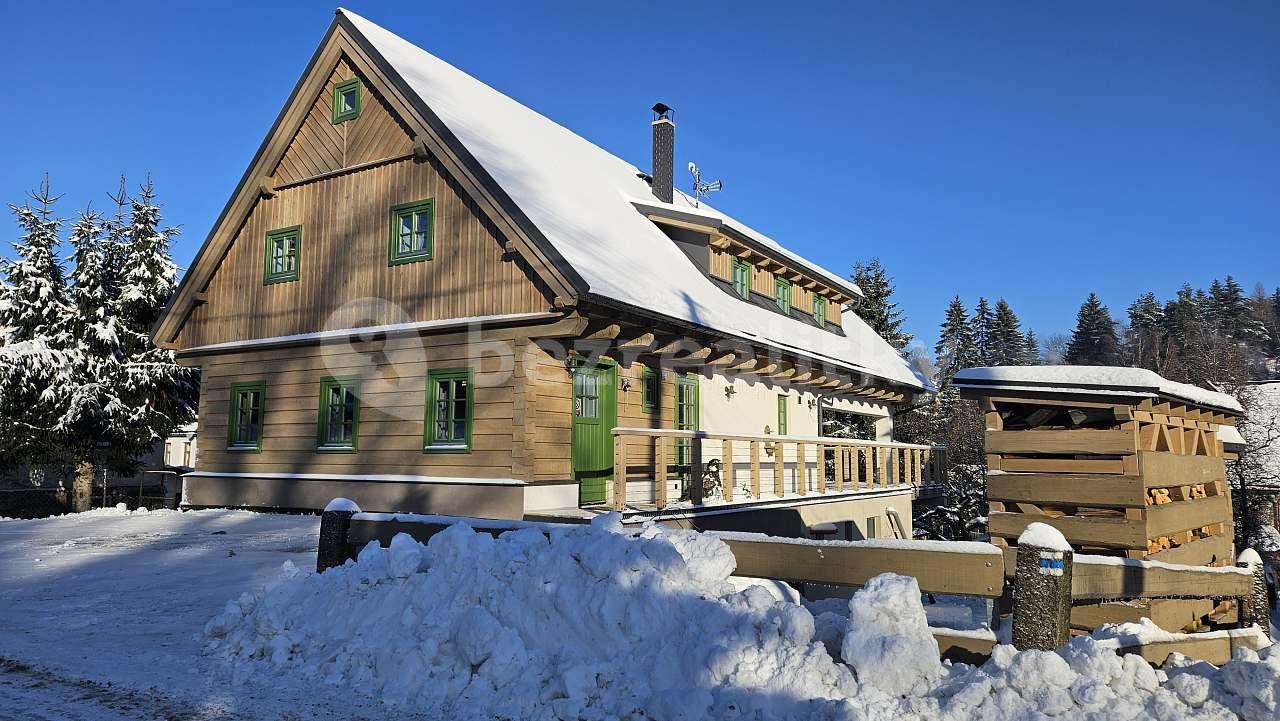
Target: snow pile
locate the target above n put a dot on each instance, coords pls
(594, 622)
(888, 641)
(590, 622)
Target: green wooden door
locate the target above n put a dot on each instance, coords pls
(595, 414)
(686, 418)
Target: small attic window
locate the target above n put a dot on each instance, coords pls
(346, 101)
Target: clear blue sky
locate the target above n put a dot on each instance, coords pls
(1033, 151)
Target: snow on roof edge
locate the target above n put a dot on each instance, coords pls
(1070, 378)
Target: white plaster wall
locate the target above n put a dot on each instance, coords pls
(754, 405)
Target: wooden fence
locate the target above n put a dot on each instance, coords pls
(974, 569)
(658, 463)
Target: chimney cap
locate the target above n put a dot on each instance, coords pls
(661, 111)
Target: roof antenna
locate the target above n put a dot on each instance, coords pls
(701, 189)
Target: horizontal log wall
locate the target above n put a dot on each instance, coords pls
(392, 409)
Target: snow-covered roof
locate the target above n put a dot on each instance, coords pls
(1094, 379)
(579, 197)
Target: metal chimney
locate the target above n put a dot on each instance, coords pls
(664, 151)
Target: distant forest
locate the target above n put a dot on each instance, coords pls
(1220, 337)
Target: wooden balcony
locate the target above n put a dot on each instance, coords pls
(655, 468)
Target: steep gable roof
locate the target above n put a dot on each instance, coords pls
(579, 198)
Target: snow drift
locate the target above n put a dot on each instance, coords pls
(592, 622)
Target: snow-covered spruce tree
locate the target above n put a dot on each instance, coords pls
(1275, 337)
(1032, 356)
(86, 387)
(33, 303)
(1008, 345)
(956, 348)
(1234, 314)
(35, 335)
(1094, 341)
(94, 399)
(158, 394)
(983, 326)
(876, 306)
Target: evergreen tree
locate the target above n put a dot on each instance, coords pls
(80, 380)
(983, 322)
(1235, 315)
(92, 287)
(159, 394)
(956, 348)
(1275, 313)
(877, 307)
(35, 333)
(1032, 357)
(1181, 314)
(33, 304)
(148, 276)
(1094, 341)
(1146, 340)
(1007, 344)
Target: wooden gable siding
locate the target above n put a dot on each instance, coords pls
(345, 227)
(321, 146)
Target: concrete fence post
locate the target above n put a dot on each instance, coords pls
(1255, 608)
(335, 523)
(1042, 589)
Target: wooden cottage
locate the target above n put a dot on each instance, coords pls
(1122, 461)
(426, 296)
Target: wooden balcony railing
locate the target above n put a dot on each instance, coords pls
(657, 467)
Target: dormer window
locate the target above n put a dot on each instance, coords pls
(782, 294)
(820, 310)
(742, 277)
(346, 101)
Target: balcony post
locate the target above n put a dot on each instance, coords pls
(779, 471)
(820, 471)
(619, 472)
(660, 471)
(695, 469)
(755, 469)
(726, 483)
(839, 465)
(802, 482)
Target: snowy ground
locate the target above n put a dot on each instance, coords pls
(214, 616)
(102, 615)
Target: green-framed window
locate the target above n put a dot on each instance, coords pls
(346, 100)
(782, 294)
(820, 310)
(244, 416)
(782, 416)
(449, 404)
(650, 390)
(412, 232)
(338, 426)
(283, 255)
(742, 277)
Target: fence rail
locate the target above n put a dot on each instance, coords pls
(658, 466)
